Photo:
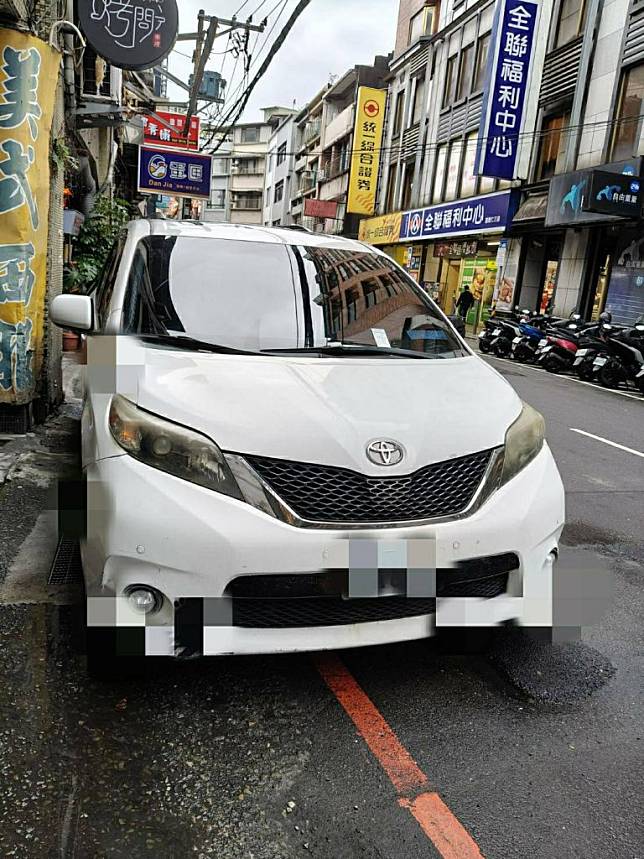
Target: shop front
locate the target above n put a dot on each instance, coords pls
(602, 259)
(450, 246)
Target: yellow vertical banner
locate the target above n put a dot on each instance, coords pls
(28, 80)
(367, 143)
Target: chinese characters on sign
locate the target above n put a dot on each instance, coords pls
(155, 131)
(505, 92)
(28, 77)
(367, 142)
(456, 249)
(176, 174)
(130, 34)
(490, 213)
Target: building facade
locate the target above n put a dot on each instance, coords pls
(583, 114)
(248, 166)
(217, 209)
(306, 165)
(336, 140)
(279, 175)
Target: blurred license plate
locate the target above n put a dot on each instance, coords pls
(482, 334)
(496, 332)
(599, 362)
(546, 349)
(582, 352)
(543, 342)
(517, 340)
(577, 362)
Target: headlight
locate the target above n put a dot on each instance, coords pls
(170, 447)
(523, 441)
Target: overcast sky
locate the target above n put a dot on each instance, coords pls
(330, 37)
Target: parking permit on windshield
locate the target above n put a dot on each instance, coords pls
(380, 336)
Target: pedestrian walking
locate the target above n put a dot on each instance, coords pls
(465, 301)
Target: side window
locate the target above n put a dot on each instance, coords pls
(105, 285)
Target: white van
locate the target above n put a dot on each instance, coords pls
(288, 447)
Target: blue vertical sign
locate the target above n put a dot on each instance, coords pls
(506, 87)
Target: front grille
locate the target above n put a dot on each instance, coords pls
(323, 493)
(325, 611)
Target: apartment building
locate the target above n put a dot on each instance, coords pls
(336, 140)
(250, 142)
(307, 134)
(217, 208)
(279, 174)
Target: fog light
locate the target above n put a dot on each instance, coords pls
(144, 600)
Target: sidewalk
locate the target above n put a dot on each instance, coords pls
(31, 469)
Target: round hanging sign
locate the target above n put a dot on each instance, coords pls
(130, 34)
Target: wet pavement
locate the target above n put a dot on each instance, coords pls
(535, 749)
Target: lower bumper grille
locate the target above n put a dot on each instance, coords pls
(325, 611)
(316, 599)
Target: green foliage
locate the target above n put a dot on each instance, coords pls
(61, 156)
(92, 246)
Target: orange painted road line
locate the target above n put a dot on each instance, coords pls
(447, 835)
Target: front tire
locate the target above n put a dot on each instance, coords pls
(552, 365)
(502, 348)
(484, 346)
(609, 377)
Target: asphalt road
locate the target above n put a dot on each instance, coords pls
(534, 751)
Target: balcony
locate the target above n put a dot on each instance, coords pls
(339, 127)
(312, 130)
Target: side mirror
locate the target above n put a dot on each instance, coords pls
(72, 312)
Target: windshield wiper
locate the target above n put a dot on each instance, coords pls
(185, 342)
(345, 350)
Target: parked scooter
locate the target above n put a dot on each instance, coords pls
(493, 328)
(622, 360)
(506, 333)
(556, 351)
(525, 345)
(593, 345)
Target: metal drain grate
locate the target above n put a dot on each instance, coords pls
(66, 568)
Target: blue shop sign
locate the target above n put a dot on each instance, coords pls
(508, 74)
(173, 173)
(490, 213)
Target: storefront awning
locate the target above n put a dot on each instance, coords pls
(533, 208)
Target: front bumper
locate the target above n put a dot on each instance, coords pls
(148, 528)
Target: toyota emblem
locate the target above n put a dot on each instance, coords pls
(382, 451)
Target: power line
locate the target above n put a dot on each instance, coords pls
(255, 52)
(464, 145)
(279, 41)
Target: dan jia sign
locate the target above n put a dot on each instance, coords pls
(508, 75)
(130, 34)
(175, 174)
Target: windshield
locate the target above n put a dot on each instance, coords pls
(265, 297)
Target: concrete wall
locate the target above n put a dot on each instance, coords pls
(406, 11)
(571, 268)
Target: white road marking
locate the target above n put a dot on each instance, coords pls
(608, 441)
(564, 377)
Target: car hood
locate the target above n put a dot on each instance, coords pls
(327, 410)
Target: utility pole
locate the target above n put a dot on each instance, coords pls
(204, 48)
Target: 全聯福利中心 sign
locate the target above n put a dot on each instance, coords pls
(367, 143)
(171, 133)
(174, 173)
(508, 75)
(489, 213)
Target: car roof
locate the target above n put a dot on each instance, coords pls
(239, 232)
